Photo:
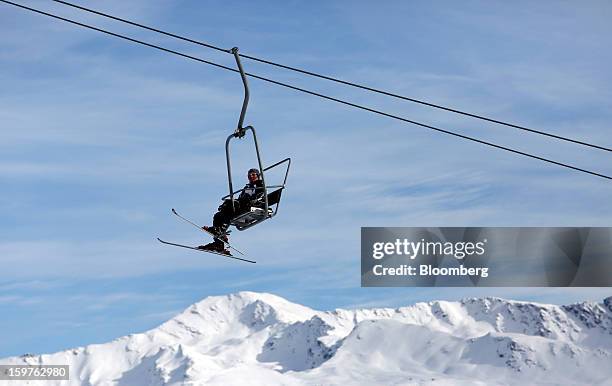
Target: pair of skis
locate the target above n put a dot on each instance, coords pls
(206, 250)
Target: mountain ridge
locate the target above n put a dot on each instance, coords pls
(260, 338)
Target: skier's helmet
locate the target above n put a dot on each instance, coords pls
(256, 171)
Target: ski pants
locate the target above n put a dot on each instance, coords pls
(222, 218)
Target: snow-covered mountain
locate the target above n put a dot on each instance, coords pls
(261, 339)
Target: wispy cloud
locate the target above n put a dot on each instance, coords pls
(30, 285)
(19, 300)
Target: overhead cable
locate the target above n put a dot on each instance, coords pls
(312, 92)
(347, 83)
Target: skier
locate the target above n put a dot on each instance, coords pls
(251, 195)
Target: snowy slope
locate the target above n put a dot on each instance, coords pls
(261, 339)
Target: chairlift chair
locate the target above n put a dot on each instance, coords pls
(268, 206)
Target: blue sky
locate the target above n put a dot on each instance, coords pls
(100, 138)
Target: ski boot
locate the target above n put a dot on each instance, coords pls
(218, 233)
(216, 246)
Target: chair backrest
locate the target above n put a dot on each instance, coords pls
(274, 197)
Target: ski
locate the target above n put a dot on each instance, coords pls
(207, 251)
(207, 232)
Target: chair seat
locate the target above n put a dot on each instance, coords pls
(253, 215)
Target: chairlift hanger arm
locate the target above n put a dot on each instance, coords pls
(241, 131)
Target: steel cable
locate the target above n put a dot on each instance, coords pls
(312, 92)
(344, 82)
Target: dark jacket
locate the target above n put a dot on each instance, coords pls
(251, 192)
